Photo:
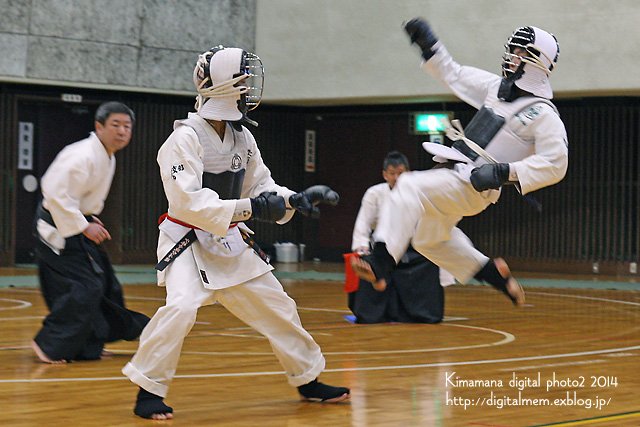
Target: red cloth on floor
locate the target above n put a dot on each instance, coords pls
(351, 280)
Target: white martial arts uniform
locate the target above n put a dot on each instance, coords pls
(367, 218)
(76, 184)
(219, 266)
(76, 278)
(425, 206)
(372, 201)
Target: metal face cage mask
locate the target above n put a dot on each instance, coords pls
(252, 67)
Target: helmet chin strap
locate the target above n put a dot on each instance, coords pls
(237, 125)
(248, 120)
(508, 90)
(242, 107)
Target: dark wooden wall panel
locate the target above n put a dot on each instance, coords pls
(280, 138)
(143, 196)
(8, 166)
(590, 217)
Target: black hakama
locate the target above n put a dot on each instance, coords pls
(413, 294)
(85, 301)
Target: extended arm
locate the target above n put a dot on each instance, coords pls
(468, 83)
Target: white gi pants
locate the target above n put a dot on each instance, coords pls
(423, 209)
(261, 303)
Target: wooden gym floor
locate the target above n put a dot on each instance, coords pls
(569, 358)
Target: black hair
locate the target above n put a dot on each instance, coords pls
(113, 107)
(395, 158)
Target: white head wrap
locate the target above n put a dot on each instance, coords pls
(217, 96)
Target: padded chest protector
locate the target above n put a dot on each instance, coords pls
(489, 129)
(227, 184)
(223, 171)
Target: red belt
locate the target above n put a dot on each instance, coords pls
(184, 224)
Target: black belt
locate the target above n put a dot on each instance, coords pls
(45, 215)
(177, 249)
(249, 241)
(191, 237)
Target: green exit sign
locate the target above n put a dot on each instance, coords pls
(428, 122)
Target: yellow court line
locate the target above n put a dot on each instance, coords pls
(593, 420)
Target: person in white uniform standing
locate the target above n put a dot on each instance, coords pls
(77, 280)
(516, 138)
(215, 179)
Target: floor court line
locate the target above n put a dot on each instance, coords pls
(586, 421)
(370, 368)
(21, 304)
(397, 367)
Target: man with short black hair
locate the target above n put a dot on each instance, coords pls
(76, 277)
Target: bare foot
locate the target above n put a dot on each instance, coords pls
(42, 355)
(167, 416)
(514, 289)
(345, 396)
(151, 407)
(339, 398)
(363, 270)
(106, 354)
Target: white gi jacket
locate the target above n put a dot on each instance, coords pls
(366, 221)
(220, 254)
(76, 184)
(533, 139)
(425, 206)
(367, 218)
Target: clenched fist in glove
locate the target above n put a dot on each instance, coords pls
(268, 206)
(490, 176)
(305, 202)
(420, 33)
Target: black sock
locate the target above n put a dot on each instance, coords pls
(317, 391)
(148, 404)
(380, 260)
(490, 274)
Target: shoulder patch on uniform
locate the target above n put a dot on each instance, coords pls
(532, 112)
(528, 114)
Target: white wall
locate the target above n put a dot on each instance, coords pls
(355, 51)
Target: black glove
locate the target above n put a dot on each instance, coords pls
(488, 176)
(305, 202)
(268, 206)
(420, 33)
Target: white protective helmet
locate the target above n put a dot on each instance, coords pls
(532, 75)
(223, 92)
